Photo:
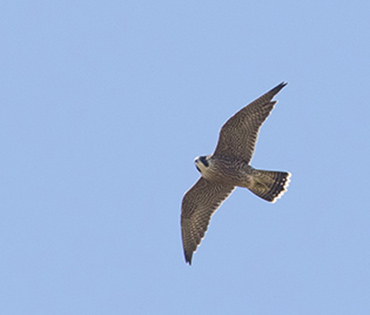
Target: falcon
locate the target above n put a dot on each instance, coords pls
(227, 168)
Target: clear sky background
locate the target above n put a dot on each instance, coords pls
(105, 104)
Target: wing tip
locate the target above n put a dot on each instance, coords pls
(188, 257)
(278, 88)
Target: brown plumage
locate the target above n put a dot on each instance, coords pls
(227, 168)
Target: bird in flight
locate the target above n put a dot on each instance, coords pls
(227, 168)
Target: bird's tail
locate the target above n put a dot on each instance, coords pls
(269, 185)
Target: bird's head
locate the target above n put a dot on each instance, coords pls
(201, 163)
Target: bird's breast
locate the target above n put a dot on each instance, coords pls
(228, 171)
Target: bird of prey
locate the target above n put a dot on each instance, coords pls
(227, 168)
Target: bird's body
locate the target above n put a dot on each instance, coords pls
(227, 168)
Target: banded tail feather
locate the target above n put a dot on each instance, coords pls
(270, 185)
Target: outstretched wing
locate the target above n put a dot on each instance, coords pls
(198, 205)
(239, 134)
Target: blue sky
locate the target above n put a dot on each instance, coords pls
(104, 106)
